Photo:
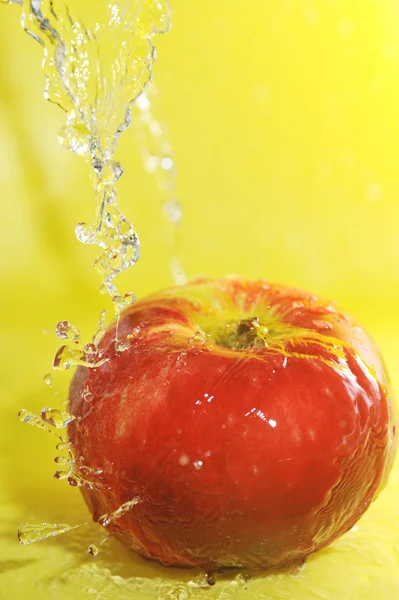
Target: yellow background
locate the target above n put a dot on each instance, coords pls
(284, 118)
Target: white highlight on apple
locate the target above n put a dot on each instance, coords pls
(261, 415)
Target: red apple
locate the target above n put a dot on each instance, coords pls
(251, 422)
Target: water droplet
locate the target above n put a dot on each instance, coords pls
(62, 474)
(198, 464)
(297, 304)
(320, 324)
(75, 481)
(63, 446)
(84, 233)
(66, 331)
(56, 418)
(97, 165)
(49, 380)
(122, 346)
(62, 460)
(86, 470)
(93, 550)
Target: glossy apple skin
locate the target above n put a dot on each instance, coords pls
(248, 458)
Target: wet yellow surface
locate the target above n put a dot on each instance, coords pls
(284, 120)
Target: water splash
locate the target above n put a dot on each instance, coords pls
(95, 74)
(108, 518)
(86, 355)
(36, 421)
(97, 87)
(74, 471)
(29, 534)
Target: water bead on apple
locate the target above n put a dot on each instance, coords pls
(220, 423)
